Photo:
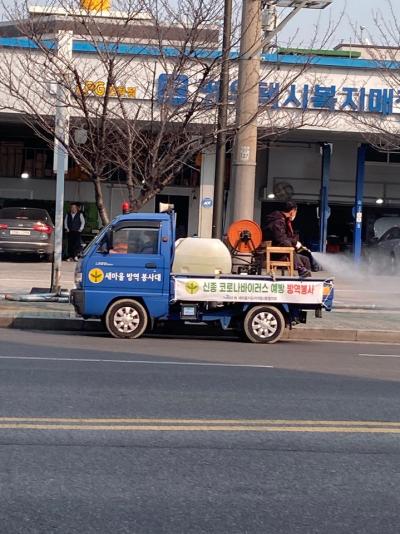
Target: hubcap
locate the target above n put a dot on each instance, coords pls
(264, 325)
(126, 320)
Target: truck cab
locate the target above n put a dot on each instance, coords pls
(131, 256)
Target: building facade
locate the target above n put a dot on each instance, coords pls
(320, 121)
(335, 149)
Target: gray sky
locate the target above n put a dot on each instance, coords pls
(357, 12)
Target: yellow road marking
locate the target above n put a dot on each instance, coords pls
(156, 421)
(204, 428)
(199, 425)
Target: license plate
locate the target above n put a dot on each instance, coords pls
(20, 232)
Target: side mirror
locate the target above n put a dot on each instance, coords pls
(110, 239)
(103, 248)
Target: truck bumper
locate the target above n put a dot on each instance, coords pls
(78, 301)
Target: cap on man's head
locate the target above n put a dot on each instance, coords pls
(289, 206)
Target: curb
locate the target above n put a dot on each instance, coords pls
(47, 323)
(365, 307)
(300, 334)
(332, 334)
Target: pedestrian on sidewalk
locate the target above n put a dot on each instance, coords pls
(74, 223)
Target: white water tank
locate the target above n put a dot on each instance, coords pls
(198, 255)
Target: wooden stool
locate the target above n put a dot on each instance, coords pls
(283, 264)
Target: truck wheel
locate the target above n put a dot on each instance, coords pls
(264, 324)
(126, 319)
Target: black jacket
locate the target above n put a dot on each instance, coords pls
(278, 229)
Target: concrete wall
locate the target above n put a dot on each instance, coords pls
(261, 180)
(117, 194)
(44, 189)
(207, 179)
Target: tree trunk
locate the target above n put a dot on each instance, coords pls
(98, 193)
(131, 190)
(146, 196)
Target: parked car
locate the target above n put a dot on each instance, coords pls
(26, 231)
(384, 253)
(383, 224)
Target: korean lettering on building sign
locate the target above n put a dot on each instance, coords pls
(300, 96)
(90, 88)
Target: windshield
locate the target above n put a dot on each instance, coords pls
(95, 241)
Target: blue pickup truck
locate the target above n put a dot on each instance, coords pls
(125, 279)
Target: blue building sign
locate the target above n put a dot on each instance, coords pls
(172, 90)
(296, 96)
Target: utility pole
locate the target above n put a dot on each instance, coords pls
(64, 43)
(223, 100)
(251, 45)
(245, 148)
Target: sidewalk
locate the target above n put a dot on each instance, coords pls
(20, 276)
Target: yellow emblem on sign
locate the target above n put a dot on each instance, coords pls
(96, 276)
(192, 287)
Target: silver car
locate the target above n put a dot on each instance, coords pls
(26, 230)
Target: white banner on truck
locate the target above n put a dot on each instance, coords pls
(252, 290)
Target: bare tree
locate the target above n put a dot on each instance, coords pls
(141, 92)
(114, 93)
(380, 124)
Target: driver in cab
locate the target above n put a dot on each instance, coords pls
(124, 243)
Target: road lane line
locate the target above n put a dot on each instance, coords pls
(146, 362)
(380, 355)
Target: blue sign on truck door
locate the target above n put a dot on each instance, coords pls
(134, 264)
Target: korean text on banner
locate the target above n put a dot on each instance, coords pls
(251, 290)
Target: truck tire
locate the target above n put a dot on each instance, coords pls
(126, 318)
(264, 324)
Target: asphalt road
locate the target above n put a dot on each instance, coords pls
(189, 436)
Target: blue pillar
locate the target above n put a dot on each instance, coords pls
(324, 196)
(358, 208)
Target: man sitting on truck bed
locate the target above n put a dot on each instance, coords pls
(280, 231)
